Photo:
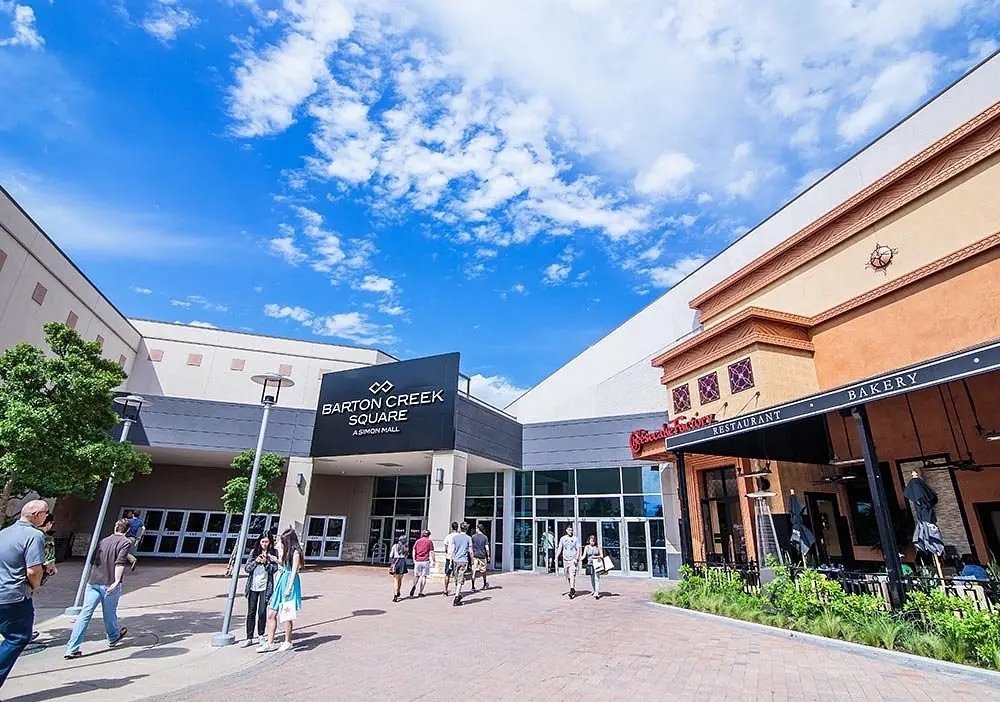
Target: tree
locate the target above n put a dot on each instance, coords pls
(234, 493)
(56, 415)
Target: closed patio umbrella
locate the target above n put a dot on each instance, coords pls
(801, 536)
(926, 535)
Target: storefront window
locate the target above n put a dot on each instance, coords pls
(554, 482)
(553, 507)
(643, 506)
(385, 487)
(412, 486)
(479, 507)
(522, 507)
(480, 485)
(641, 479)
(600, 507)
(523, 484)
(599, 481)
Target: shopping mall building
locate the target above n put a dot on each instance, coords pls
(847, 342)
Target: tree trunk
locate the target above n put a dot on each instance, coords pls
(8, 489)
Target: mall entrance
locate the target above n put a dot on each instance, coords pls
(637, 546)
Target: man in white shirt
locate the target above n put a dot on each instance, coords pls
(569, 547)
(447, 556)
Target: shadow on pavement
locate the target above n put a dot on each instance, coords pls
(355, 613)
(77, 688)
(312, 641)
(475, 600)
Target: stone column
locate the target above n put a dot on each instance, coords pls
(447, 499)
(508, 520)
(295, 500)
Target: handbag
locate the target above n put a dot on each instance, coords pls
(609, 564)
(287, 613)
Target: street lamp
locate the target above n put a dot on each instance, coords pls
(129, 406)
(271, 387)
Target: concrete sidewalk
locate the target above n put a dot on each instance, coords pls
(171, 609)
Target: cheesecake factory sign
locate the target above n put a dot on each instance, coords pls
(387, 408)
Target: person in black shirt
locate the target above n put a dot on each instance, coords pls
(480, 556)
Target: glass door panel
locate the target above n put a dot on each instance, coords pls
(638, 547)
(658, 550)
(611, 542)
(545, 537)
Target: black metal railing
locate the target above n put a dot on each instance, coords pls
(984, 595)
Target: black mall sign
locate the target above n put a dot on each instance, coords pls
(388, 408)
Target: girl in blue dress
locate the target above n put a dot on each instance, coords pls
(287, 598)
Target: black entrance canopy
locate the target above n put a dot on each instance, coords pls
(796, 431)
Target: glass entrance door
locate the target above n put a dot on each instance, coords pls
(547, 535)
(609, 537)
(638, 547)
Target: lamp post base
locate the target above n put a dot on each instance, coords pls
(72, 611)
(220, 640)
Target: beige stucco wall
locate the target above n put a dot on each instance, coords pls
(947, 219)
(29, 258)
(779, 375)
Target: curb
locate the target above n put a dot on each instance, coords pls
(909, 660)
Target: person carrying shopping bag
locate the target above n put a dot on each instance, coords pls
(287, 598)
(594, 558)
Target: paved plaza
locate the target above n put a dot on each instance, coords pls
(522, 640)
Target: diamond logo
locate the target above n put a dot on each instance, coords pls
(384, 386)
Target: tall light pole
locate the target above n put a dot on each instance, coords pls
(272, 384)
(130, 406)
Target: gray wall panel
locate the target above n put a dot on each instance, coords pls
(222, 426)
(582, 443)
(485, 432)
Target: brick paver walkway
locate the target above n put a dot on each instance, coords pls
(522, 640)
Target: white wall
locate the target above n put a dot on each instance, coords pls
(612, 377)
(32, 258)
(214, 378)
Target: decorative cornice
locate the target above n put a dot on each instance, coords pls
(974, 141)
(753, 325)
(910, 278)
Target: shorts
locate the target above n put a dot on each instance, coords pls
(421, 569)
(571, 568)
(448, 567)
(459, 571)
(479, 565)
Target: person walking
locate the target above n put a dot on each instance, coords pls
(461, 550)
(287, 598)
(480, 556)
(549, 549)
(569, 548)
(50, 568)
(594, 558)
(261, 566)
(104, 588)
(448, 566)
(136, 530)
(397, 565)
(423, 558)
(22, 564)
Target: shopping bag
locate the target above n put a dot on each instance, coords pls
(609, 564)
(287, 613)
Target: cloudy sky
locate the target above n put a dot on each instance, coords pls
(508, 179)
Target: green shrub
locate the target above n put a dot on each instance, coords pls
(827, 624)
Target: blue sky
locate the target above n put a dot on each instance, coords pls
(507, 179)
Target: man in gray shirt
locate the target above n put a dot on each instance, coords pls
(459, 551)
(569, 547)
(22, 563)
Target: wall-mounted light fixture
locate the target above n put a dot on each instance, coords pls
(439, 476)
(300, 481)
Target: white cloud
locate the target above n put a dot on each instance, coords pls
(167, 19)
(352, 326)
(668, 276)
(392, 310)
(495, 390)
(199, 301)
(895, 89)
(486, 253)
(556, 273)
(180, 303)
(519, 289)
(743, 186)
(666, 175)
(376, 284)
(23, 26)
(140, 291)
(258, 288)
(809, 178)
(203, 325)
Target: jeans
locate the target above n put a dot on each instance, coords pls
(595, 581)
(256, 610)
(96, 594)
(16, 621)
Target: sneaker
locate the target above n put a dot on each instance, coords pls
(287, 646)
(121, 635)
(395, 598)
(75, 654)
(473, 591)
(413, 590)
(247, 643)
(421, 595)
(266, 648)
(457, 601)
(34, 635)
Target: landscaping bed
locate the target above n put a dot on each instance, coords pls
(933, 624)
